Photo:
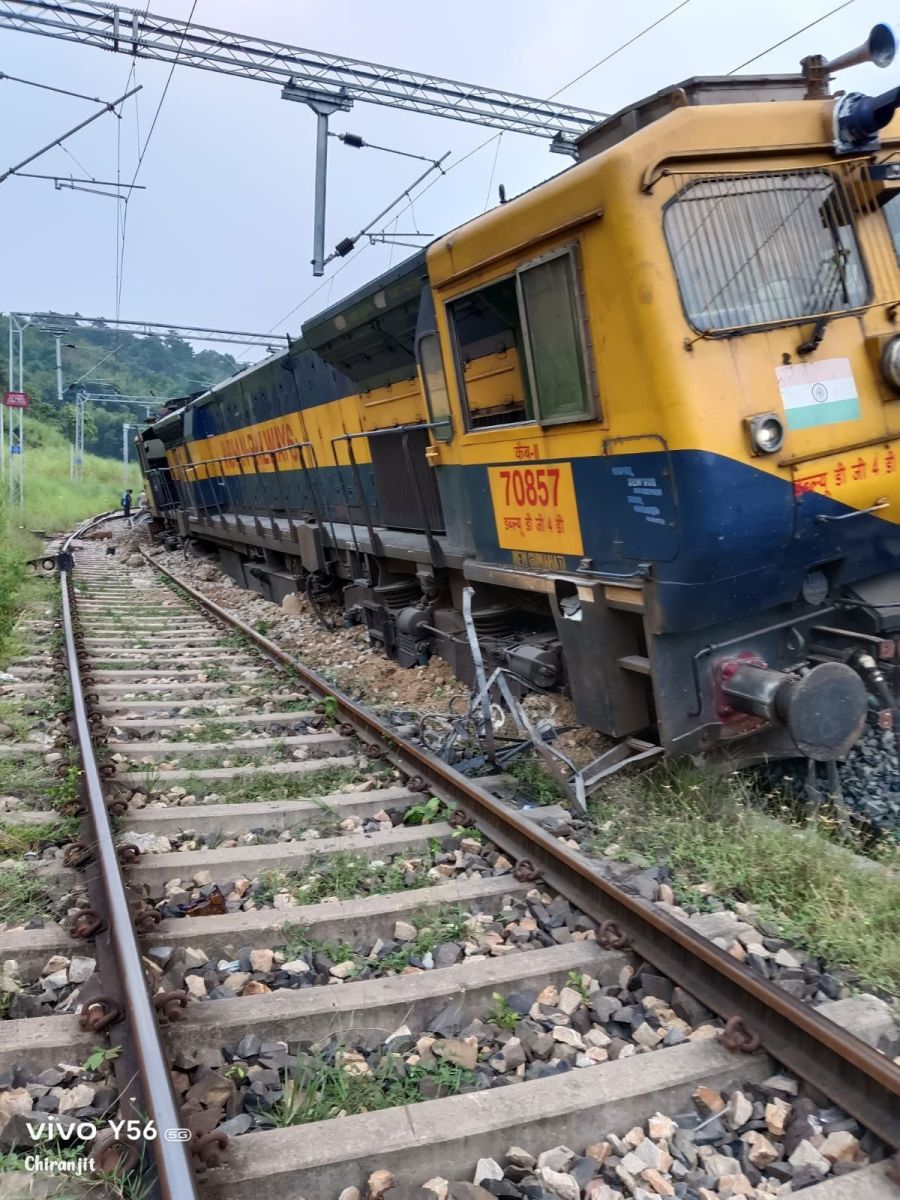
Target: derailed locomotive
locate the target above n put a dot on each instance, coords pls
(649, 411)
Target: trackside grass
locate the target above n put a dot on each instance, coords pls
(712, 832)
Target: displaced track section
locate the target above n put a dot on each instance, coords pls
(361, 987)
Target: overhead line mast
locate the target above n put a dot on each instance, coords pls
(326, 82)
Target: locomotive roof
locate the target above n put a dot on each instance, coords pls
(700, 89)
(369, 336)
(207, 396)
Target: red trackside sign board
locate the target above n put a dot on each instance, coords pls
(15, 399)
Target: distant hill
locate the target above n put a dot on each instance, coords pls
(110, 362)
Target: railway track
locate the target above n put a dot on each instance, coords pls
(355, 986)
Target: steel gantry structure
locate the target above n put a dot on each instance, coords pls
(327, 83)
(50, 322)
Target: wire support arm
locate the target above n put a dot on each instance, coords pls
(346, 244)
(109, 107)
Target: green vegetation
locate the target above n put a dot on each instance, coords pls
(131, 365)
(711, 832)
(345, 876)
(264, 786)
(444, 924)
(114, 1185)
(17, 838)
(12, 715)
(575, 980)
(299, 941)
(99, 1056)
(433, 926)
(429, 810)
(535, 783)
(317, 1090)
(22, 895)
(502, 1013)
(54, 502)
(67, 791)
(24, 777)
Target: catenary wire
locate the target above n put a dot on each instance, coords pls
(140, 161)
(49, 88)
(487, 195)
(606, 58)
(469, 154)
(618, 50)
(791, 36)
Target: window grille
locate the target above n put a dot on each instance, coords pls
(759, 249)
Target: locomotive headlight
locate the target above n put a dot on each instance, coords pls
(890, 362)
(766, 433)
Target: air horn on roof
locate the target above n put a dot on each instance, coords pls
(857, 117)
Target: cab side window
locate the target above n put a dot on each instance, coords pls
(520, 347)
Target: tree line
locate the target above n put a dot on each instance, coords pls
(101, 360)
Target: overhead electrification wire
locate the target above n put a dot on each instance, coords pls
(48, 88)
(328, 282)
(618, 50)
(468, 155)
(140, 162)
(606, 58)
(357, 143)
(791, 36)
(487, 195)
(109, 106)
(78, 163)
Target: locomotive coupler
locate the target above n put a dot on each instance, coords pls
(823, 709)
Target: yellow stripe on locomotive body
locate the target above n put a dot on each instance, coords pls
(243, 451)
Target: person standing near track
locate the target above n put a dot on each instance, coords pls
(126, 504)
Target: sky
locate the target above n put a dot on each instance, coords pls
(222, 235)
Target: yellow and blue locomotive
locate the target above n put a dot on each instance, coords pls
(649, 411)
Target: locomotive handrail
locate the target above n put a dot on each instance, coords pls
(273, 453)
(367, 433)
(405, 430)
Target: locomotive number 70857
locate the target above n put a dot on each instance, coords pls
(531, 485)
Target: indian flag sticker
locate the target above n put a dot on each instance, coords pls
(818, 393)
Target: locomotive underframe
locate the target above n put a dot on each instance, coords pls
(546, 629)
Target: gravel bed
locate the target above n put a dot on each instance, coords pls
(61, 1097)
(199, 731)
(750, 1140)
(427, 940)
(55, 991)
(314, 826)
(29, 784)
(870, 781)
(738, 929)
(870, 777)
(522, 1035)
(454, 858)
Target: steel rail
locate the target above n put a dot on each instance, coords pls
(173, 1160)
(854, 1074)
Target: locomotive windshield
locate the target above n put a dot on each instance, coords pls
(758, 249)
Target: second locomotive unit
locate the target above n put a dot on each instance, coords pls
(649, 411)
